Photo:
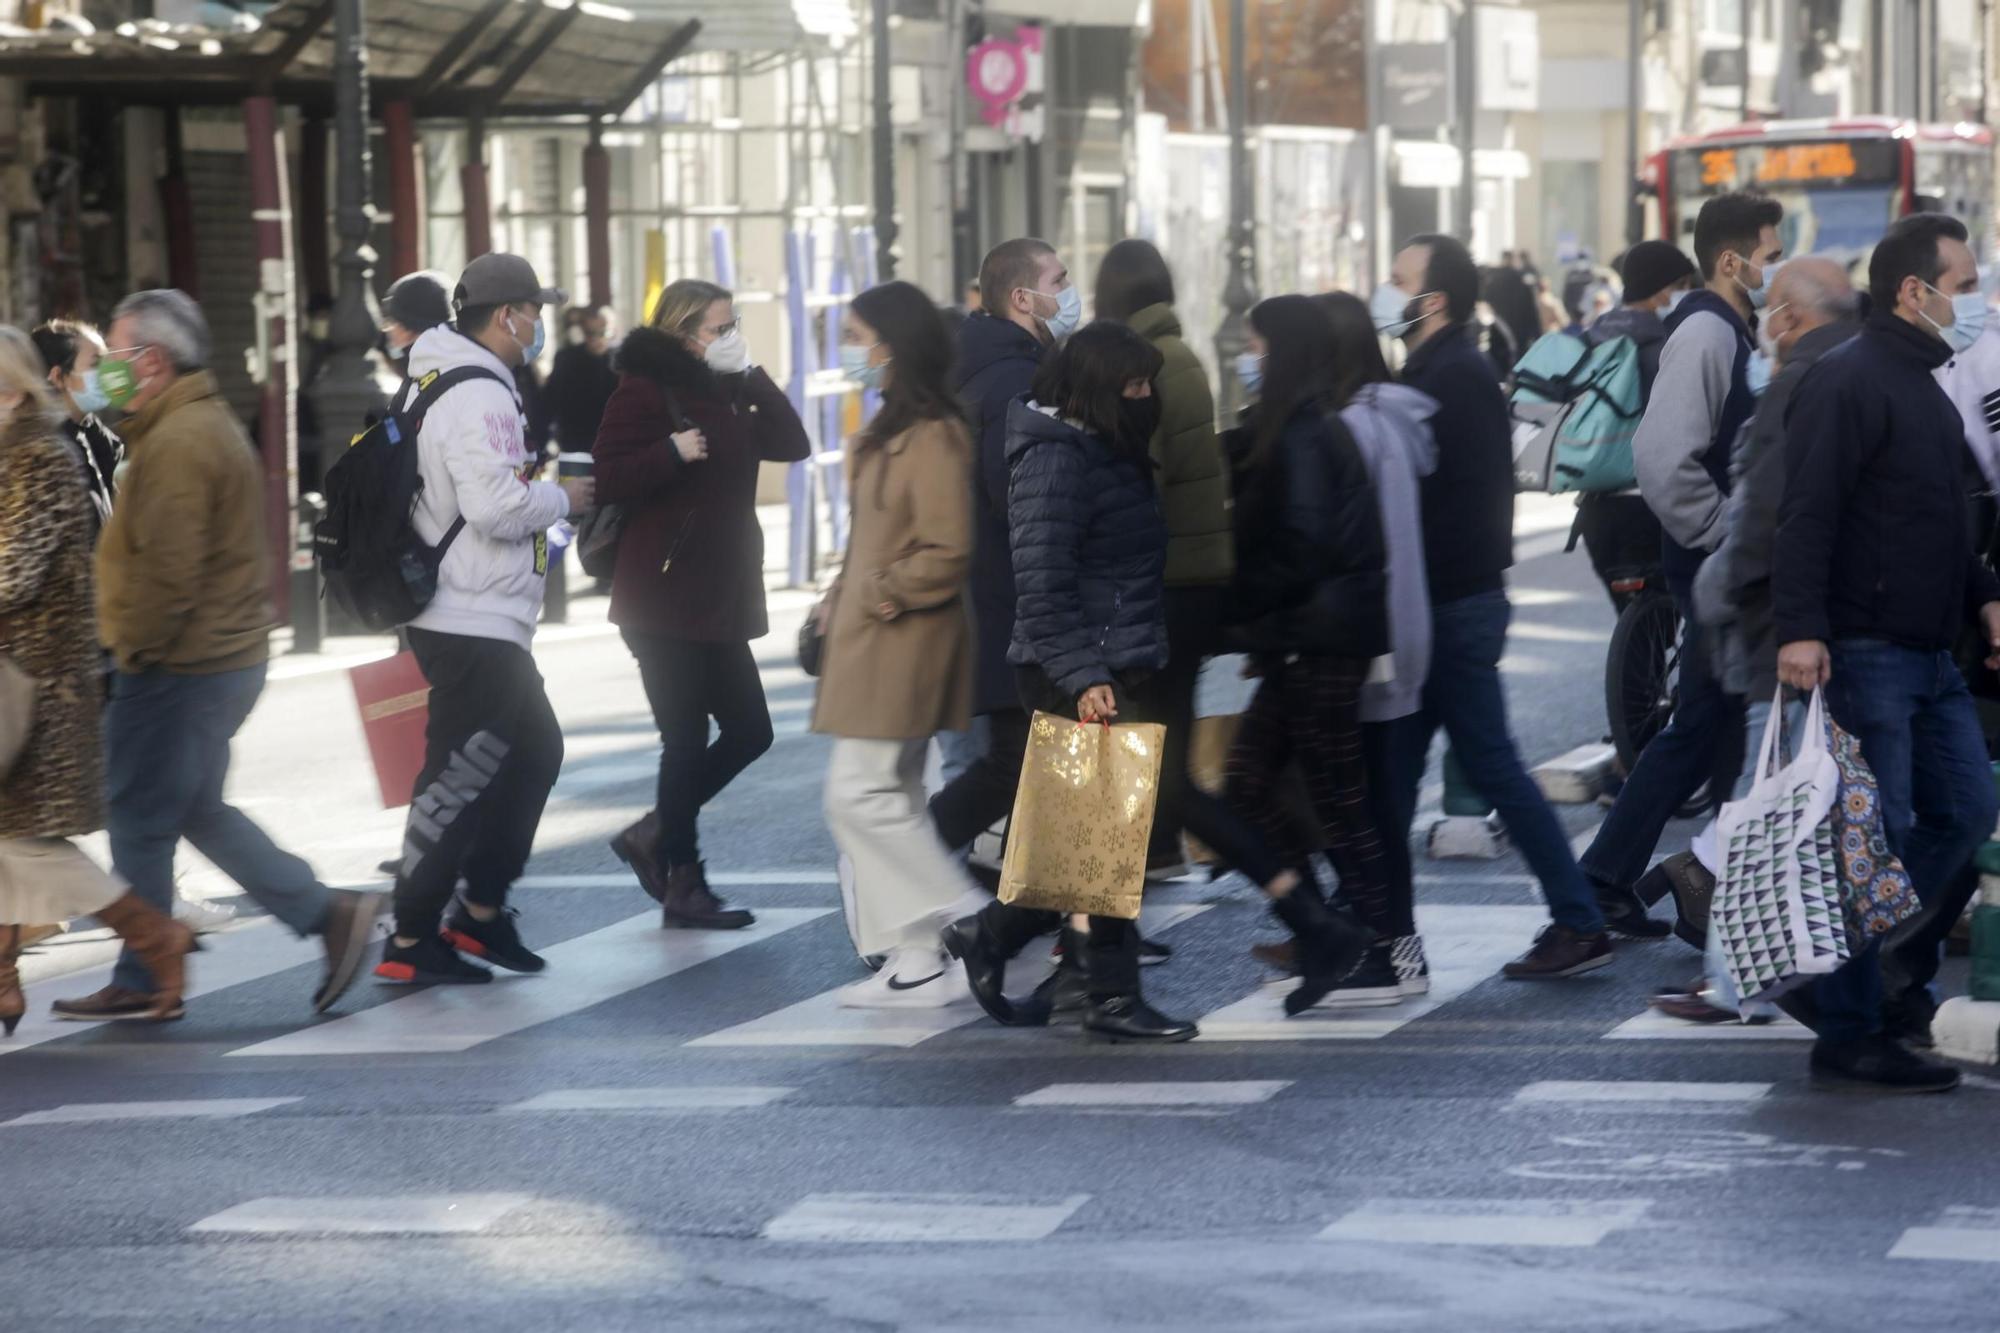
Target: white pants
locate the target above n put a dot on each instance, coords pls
(44, 881)
(906, 884)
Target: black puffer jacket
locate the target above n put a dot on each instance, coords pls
(1310, 560)
(996, 363)
(1090, 555)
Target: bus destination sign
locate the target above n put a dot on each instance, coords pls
(1832, 164)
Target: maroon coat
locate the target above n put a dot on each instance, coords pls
(691, 558)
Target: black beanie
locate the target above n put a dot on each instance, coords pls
(1651, 267)
(417, 301)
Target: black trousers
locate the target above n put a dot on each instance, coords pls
(492, 752)
(688, 683)
(1193, 615)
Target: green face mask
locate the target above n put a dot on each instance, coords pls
(119, 379)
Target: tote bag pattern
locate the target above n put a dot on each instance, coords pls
(1875, 889)
(1082, 817)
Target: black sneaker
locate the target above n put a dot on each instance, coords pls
(1909, 1024)
(428, 962)
(1625, 914)
(1877, 1063)
(1560, 952)
(496, 941)
(1371, 985)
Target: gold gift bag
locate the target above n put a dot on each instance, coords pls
(1082, 817)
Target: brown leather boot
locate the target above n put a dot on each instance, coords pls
(162, 944)
(635, 847)
(12, 1002)
(689, 904)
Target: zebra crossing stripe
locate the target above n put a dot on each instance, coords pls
(1537, 1223)
(583, 972)
(912, 1218)
(91, 1113)
(1961, 1235)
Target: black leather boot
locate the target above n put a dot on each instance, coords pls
(986, 943)
(1117, 1011)
(1065, 992)
(1330, 945)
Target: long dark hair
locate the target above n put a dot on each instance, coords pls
(1134, 275)
(1297, 365)
(1085, 378)
(920, 351)
(1357, 347)
(1512, 297)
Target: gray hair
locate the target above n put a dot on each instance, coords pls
(170, 320)
(1821, 285)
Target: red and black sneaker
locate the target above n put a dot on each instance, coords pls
(428, 962)
(495, 941)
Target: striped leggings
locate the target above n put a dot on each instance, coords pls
(1309, 710)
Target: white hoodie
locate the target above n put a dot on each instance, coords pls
(473, 455)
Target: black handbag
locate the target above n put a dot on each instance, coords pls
(597, 534)
(812, 645)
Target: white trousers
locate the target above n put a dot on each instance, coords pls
(906, 884)
(44, 881)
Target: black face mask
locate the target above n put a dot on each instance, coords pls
(1138, 418)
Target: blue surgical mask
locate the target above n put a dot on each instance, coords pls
(531, 350)
(1069, 312)
(854, 364)
(1760, 295)
(1250, 371)
(1758, 373)
(91, 398)
(1968, 320)
(1389, 307)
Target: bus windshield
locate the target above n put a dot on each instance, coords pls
(1839, 195)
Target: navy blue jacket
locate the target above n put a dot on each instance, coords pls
(1468, 502)
(1872, 537)
(1090, 555)
(1311, 566)
(996, 364)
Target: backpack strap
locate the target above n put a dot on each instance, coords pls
(444, 542)
(425, 393)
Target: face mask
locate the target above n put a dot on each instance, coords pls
(91, 398)
(1069, 312)
(1250, 371)
(729, 354)
(576, 336)
(1389, 307)
(854, 364)
(531, 350)
(1760, 295)
(1138, 418)
(1758, 373)
(1968, 320)
(1674, 301)
(119, 377)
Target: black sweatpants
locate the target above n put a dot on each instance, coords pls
(687, 683)
(492, 753)
(1193, 615)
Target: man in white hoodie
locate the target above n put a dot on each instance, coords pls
(495, 746)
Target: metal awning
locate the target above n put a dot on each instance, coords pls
(446, 57)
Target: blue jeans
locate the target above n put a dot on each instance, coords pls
(166, 753)
(1465, 697)
(1920, 734)
(959, 750)
(1670, 770)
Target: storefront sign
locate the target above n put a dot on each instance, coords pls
(1416, 85)
(1001, 74)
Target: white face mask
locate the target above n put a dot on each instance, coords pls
(1968, 312)
(1069, 311)
(729, 354)
(1674, 301)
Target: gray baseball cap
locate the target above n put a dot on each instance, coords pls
(498, 279)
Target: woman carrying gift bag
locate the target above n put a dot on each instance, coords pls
(1089, 552)
(52, 789)
(896, 660)
(679, 449)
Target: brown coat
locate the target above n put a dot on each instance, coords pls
(56, 788)
(183, 567)
(898, 658)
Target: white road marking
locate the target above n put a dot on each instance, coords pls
(416, 1214)
(86, 1113)
(1962, 1235)
(1248, 1092)
(583, 972)
(244, 953)
(1502, 1222)
(652, 1099)
(886, 1218)
(821, 1021)
(1652, 1025)
(598, 776)
(1465, 946)
(1628, 1091)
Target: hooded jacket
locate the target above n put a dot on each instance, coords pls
(1681, 449)
(691, 555)
(996, 365)
(1391, 427)
(1187, 459)
(1647, 332)
(1090, 555)
(473, 456)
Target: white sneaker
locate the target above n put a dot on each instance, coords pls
(1413, 970)
(912, 979)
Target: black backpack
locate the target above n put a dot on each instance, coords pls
(376, 567)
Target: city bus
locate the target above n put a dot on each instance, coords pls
(1842, 182)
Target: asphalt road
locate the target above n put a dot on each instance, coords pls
(673, 1130)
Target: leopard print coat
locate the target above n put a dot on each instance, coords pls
(48, 626)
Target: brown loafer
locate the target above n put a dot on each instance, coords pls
(689, 904)
(115, 1003)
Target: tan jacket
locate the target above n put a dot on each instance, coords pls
(183, 568)
(898, 656)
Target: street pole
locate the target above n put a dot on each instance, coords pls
(885, 149)
(1241, 291)
(345, 392)
(1743, 8)
(1635, 106)
(1468, 116)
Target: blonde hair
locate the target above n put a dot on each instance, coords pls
(682, 304)
(21, 369)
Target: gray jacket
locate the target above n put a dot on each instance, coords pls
(1732, 593)
(1697, 368)
(1391, 426)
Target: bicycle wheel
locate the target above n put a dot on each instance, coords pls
(1641, 671)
